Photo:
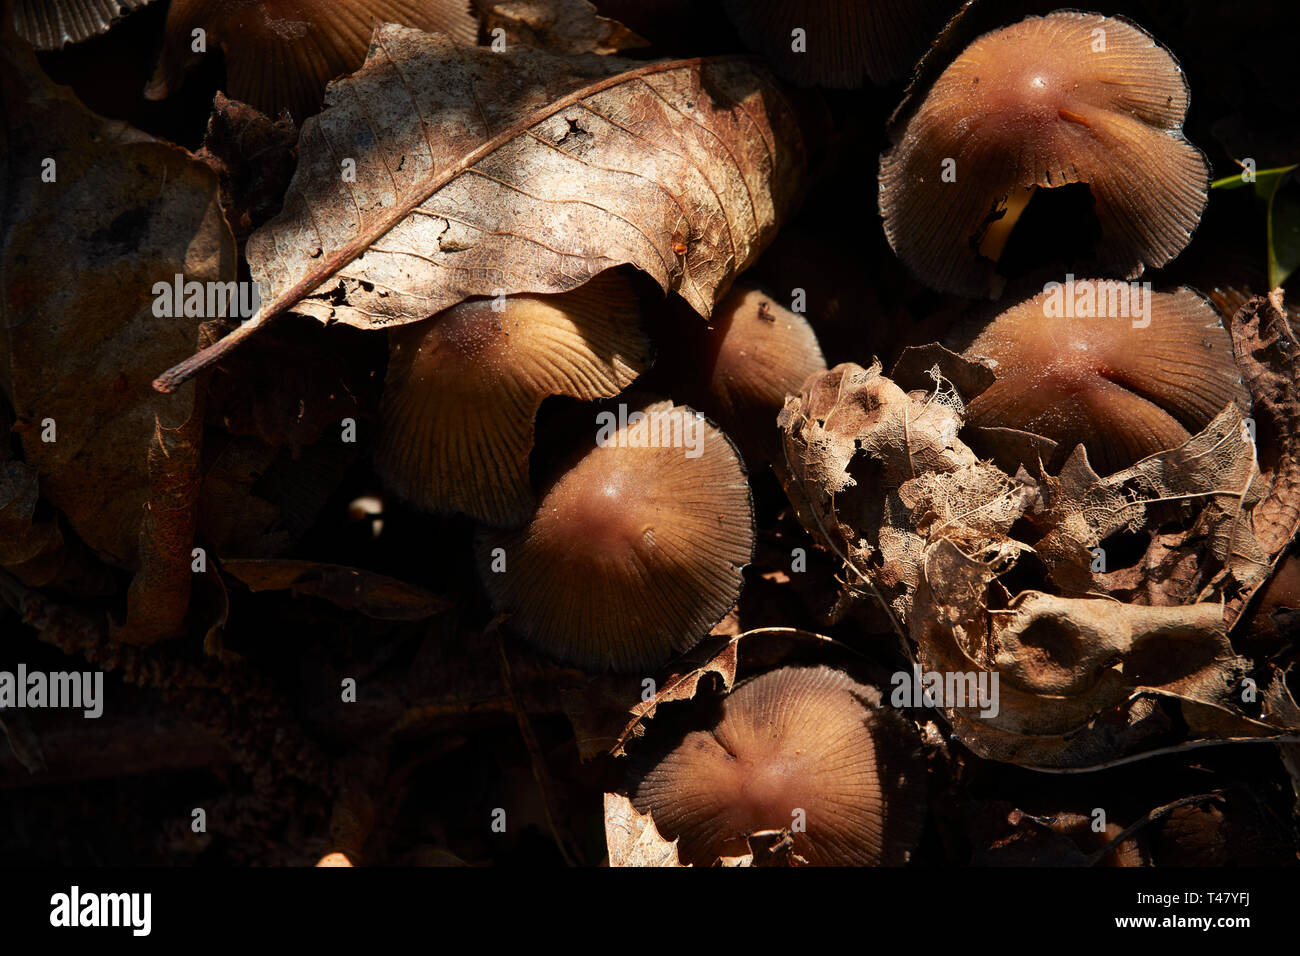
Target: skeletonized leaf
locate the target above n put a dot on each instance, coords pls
(632, 838)
(1213, 473)
(853, 441)
(481, 173)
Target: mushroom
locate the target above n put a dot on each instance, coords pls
(635, 551)
(798, 749)
(280, 54)
(840, 42)
(756, 353)
(1050, 101)
(52, 24)
(464, 387)
(1070, 367)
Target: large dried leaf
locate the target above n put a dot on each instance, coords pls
(77, 344)
(479, 173)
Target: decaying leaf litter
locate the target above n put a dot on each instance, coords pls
(481, 174)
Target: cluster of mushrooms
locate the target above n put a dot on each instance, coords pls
(628, 552)
(614, 550)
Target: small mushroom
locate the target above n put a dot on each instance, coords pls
(635, 551)
(464, 387)
(756, 353)
(834, 43)
(1050, 101)
(796, 749)
(280, 54)
(1069, 367)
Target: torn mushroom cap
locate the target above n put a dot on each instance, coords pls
(51, 24)
(280, 54)
(794, 739)
(1067, 98)
(464, 387)
(757, 353)
(1121, 387)
(841, 42)
(635, 552)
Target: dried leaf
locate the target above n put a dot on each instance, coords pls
(632, 838)
(480, 173)
(558, 26)
(254, 157)
(23, 741)
(76, 345)
(1269, 356)
(1211, 482)
(374, 595)
(1085, 682)
(853, 439)
(160, 592)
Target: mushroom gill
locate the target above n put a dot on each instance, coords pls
(464, 387)
(798, 748)
(280, 54)
(1066, 98)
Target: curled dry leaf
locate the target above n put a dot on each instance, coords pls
(632, 838)
(1211, 482)
(439, 172)
(254, 157)
(1085, 681)
(1268, 354)
(558, 26)
(610, 713)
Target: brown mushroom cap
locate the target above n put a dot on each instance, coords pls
(50, 24)
(1042, 104)
(1124, 392)
(634, 552)
(881, 39)
(280, 54)
(797, 738)
(464, 388)
(757, 353)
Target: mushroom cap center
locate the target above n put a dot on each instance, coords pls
(605, 504)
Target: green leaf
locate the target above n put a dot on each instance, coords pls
(1280, 193)
(1283, 231)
